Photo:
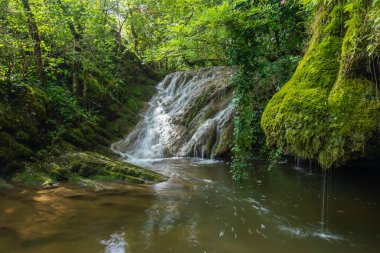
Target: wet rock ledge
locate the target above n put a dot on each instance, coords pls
(88, 169)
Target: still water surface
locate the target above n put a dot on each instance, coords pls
(200, 209)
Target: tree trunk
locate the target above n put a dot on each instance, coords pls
(76, 86)
(85, 95)
(34, 33)
(135, 38)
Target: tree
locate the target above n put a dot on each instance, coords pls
(35, 35)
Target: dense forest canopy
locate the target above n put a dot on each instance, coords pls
(69, 68)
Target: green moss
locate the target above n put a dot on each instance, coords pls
(57, 172)
(325, 111)
(98, 167)
(9, 144)
(84, 168)
(334, 26)
(354, 120)
(302, 132)
(32, 176)
(292, 118)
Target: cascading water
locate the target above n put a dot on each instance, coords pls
(191, 115)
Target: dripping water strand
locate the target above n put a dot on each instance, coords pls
(323, 201)
(329, 197)
(297, 162)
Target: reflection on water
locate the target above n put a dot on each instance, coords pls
(199, 209)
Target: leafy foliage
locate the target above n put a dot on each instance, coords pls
(266, 50)
(65, 70)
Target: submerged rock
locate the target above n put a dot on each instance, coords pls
(191, 115)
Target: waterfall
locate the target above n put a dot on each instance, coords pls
(191, 115)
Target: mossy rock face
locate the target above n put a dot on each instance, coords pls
(354, 122)
(32, 175)
(98, 167)
(88, 169)
(328, 111)
(10, 149)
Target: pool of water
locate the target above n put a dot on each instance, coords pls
(200, 209)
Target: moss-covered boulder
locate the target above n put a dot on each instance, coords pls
(95, 166)
(32, 175)
(330, 110)
(84, 168)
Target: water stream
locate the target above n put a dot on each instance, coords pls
(200, 209)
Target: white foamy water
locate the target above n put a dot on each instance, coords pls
(187, 118)
(116, 244)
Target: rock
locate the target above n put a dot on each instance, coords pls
(87, 169)
(32, 175)
(80, 166)
(328, 111)
(188, 117)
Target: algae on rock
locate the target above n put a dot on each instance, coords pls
(84, 168)
(330, 110)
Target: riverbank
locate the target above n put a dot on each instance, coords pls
(46, 137)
